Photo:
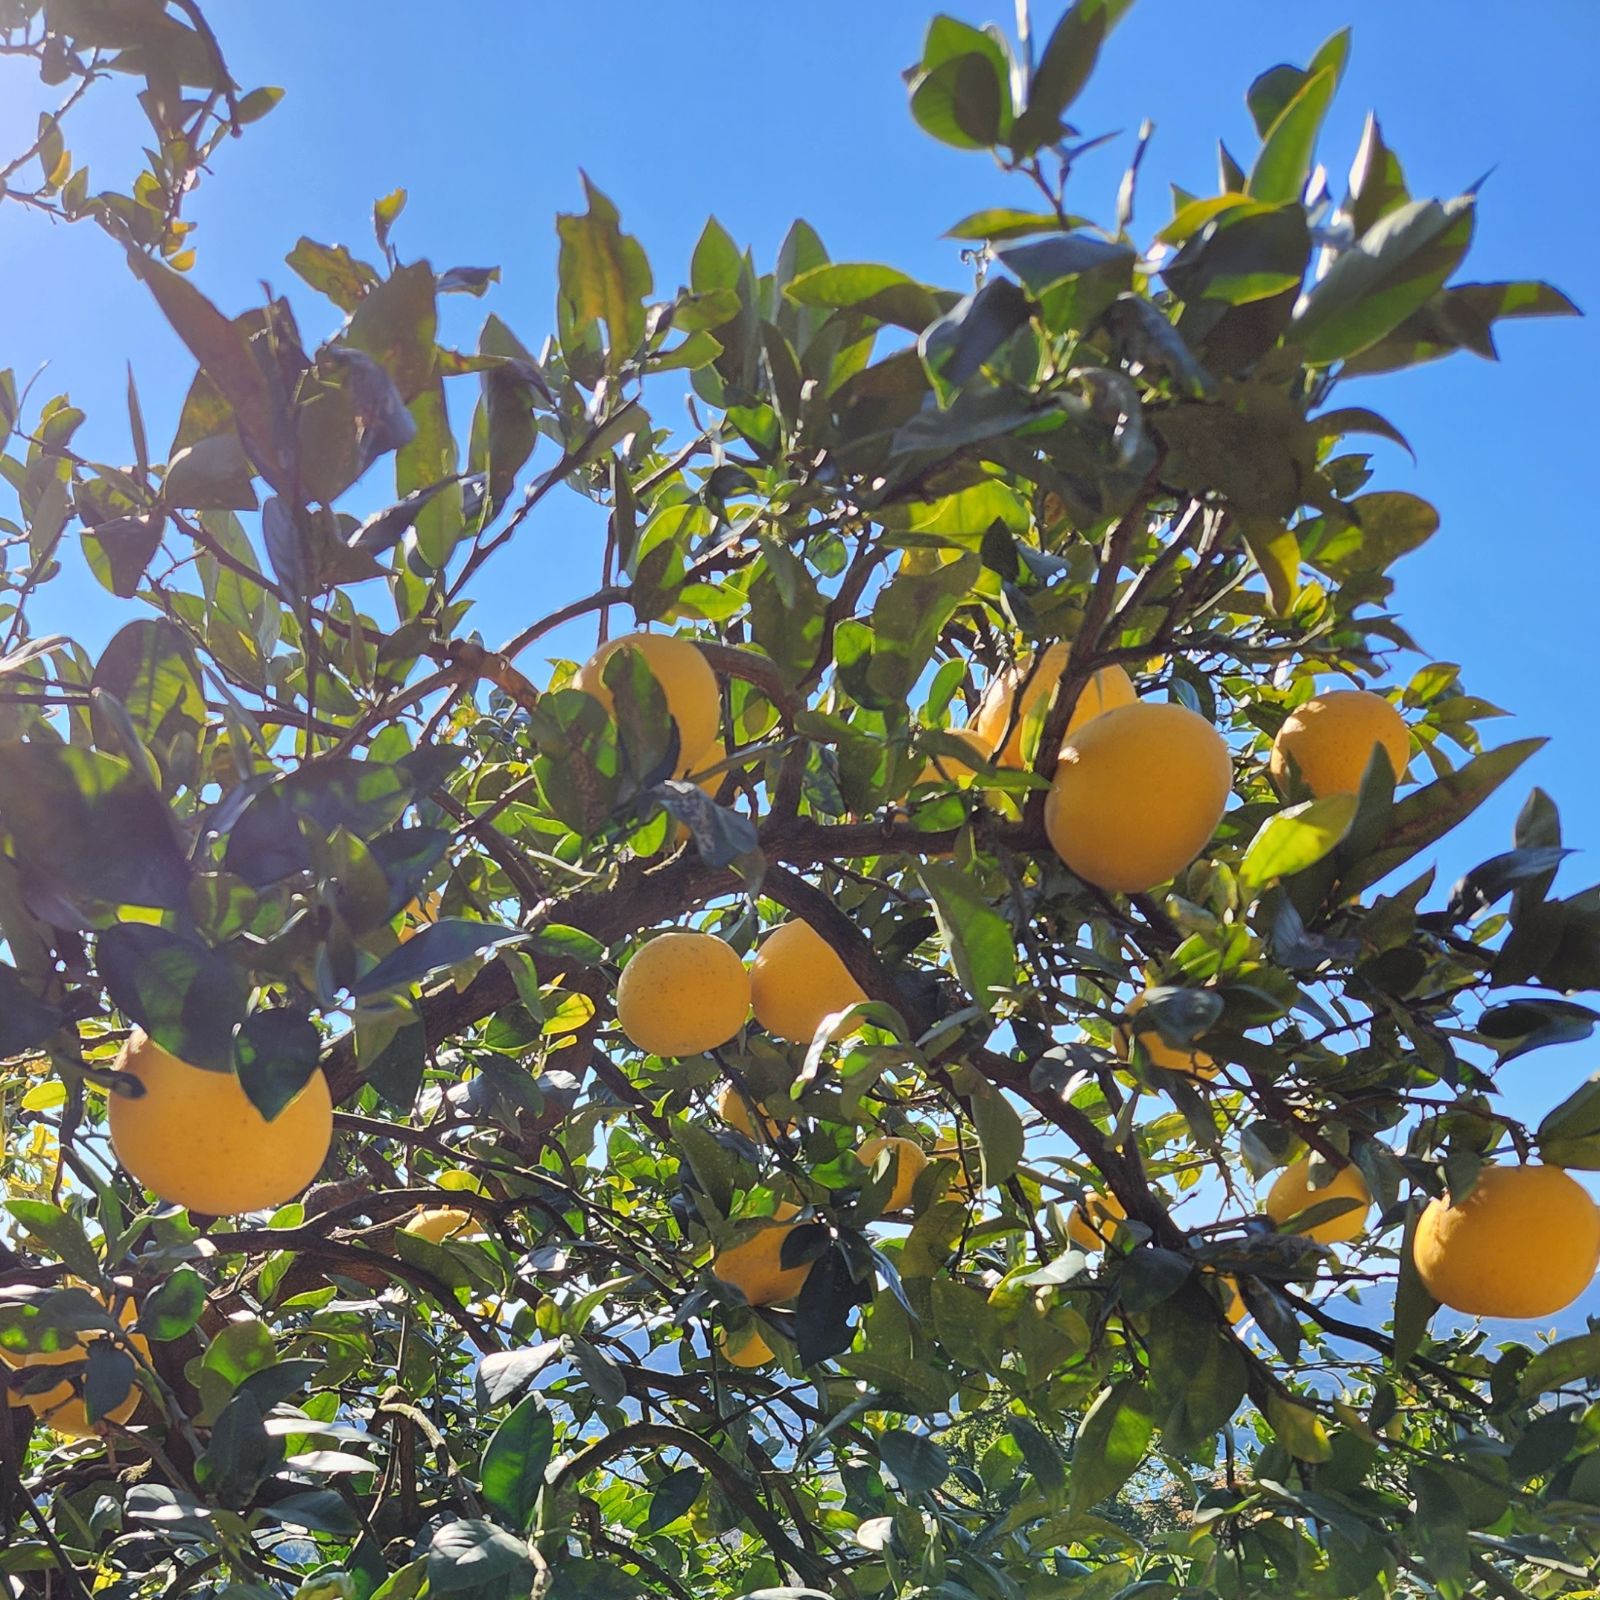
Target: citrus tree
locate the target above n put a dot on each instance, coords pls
(943, 1059)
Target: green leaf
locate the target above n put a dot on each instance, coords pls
(1459, 318)
(173, 1307)
(978, 938)
(1357, 419)
(188, 997)
(962, 92)
(673, 1496)
(1388, 524)
(1112, 1440)
(515, 1460)
(1063, 68)
(1557, 1365)
(1001, 1137)
(26, 1021)
(239, 1454)
(1377, 185)
(89, 823)
(604, 275)
(876, 291)
(1284, 164)
(1003, 222)
(108, 1375)
(330, 269)
(918, 1464)
(212, 474)
(221, 348)
(1413, 1305)
(58, 1232)
(1299, 1429)
(1427, 814)
(434, 949)
(150, 668)
(1391, 270)
(275, 1053)
(1296, 838)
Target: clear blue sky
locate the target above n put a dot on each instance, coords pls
(760, 113)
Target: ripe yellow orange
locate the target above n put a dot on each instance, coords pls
(1107, 688)
(194, 1139)
(419, 913)
(1332, 737)
(61, 1406)
(962, 1183)
(755, 1267)
(746, 1349)
(441, 1223)
(1138, 793)
(909, 1162)
(1228, 1292)
(797, 979)
(1291, 1193)
(1192, 1063)
(732, 1109)
(1523, 1243)
(687, 682)
(683, 993)
(1093, 1223)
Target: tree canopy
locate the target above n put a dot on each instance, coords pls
(1033, 1162)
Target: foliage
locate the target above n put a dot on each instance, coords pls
(294, 755)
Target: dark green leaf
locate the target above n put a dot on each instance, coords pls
(59, 1232)
(673, 1496)
(275, 1053)
(918, 1464)
(186, 996)
(26, 1021)
(1427, 814)
(515, 1459)
(978, 938)
(472, 1554)
(962, 92)
(1391, 270)
(1284, 164)
(1388, 524)
(1112, 1440)
(1062, 70)
(434, 949)
(173, 1307)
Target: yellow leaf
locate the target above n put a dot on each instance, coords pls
(1276, 552)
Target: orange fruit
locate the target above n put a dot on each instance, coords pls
(1523, 1243)
(1107, 688)
(1291, 1193)
(1093, 1223)
(687, 682)
(62, 1407)
(746, 1349)
(1137, 795)
(732, 1109)
(683, 993)
(797, 979)
(441, 1223)
(755, 1267)
(1332, 737)
(909, 1163)
(1192, 1063)
(194, 1139)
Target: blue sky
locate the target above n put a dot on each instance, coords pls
(760, 113)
